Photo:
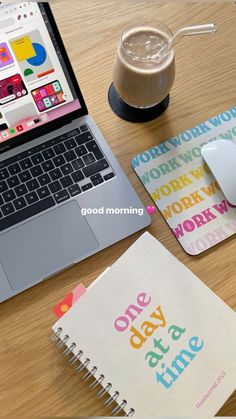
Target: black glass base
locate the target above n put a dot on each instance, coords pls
(131, 114)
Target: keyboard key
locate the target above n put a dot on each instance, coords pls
(55, 186)
(70, 144)
(59, 161)
(3, 186)
(43, 146)
(32, 185)
(71, 133)
(81, 151)
(61, 196)
(48, 154)
(77, 176)
(26, 164)
(26, 213)
(67, 169)
(4, 174)
(89, 159)
(95, 177)
(44, 179)
(25, 176)
(87, 187)
(52, 142)
(70, 155)
(59, 149)
(7, 162)
(7, 209)
(1, 201)
(21, 190)
(66, 181)
(37, 158)
(24, 154)
(95, 167)
(36, 171)
(19, 203)
(93, 147)
(43, 192)
(31, 197)
(74, 190)
(60, 138)
(83, 138)
(97, 181)
(84, 128)
(13, 181)
(64, 137)
(47, 166)
(9, 195)
(78, 164)
(14, 169)
(109, 176)
(55, 174)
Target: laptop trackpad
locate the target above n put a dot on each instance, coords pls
(45, 245)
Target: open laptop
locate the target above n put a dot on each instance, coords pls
(56, 169)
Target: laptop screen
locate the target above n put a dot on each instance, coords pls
(35, 85)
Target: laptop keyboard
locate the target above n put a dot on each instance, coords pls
(49, 174)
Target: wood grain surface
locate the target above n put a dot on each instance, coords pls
(35, 379)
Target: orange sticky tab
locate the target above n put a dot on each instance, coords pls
(63, 306)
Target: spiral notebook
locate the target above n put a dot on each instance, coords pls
(151, 338)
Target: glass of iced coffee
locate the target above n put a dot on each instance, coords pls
(144, 69)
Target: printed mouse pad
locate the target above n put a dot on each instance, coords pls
(183, 187)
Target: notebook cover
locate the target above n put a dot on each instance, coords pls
(163, 339)
(183, 188)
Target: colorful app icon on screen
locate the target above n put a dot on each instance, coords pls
(40, 105)
(5, 134)
(12, 88)
(47, 102)
(37, 95)
(48, 96)
(61, 97)
(50, 90)
(19, 128)
(54, 100)
(56, 86)
(5, 55)
(43, 92)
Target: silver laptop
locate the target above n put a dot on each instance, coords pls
(63, 195)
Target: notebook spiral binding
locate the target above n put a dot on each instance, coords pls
(60, 340)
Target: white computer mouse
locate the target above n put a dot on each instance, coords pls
(220, 156)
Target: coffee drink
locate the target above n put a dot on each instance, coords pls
(144, 69)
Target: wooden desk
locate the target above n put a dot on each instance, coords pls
(35, 380)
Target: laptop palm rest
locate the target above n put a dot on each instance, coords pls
(44, 245)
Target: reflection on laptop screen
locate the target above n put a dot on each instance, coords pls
(35, 87)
